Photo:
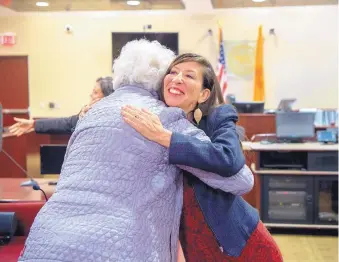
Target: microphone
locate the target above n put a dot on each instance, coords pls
(30, 183)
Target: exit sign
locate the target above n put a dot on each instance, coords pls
(8, 39)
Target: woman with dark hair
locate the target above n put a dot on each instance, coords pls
(215, 226)
(103, 87)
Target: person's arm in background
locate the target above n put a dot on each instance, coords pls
(222, 155)
(65, 125)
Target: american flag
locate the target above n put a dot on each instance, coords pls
(221, 68)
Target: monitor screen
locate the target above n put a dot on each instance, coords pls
(51, 158)
(1, 127)
(169, 40)
(286, 104)
(295, 125)
(249, 107)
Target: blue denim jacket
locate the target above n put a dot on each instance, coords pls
(231, 219)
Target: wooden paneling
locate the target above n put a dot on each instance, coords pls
(13, 95)
(257, 124)
(14, 82)
(10, 189)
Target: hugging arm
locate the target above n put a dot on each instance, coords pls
(238, 184)
(222, 154)
(219, 163)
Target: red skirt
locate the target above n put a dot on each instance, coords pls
(199, 243)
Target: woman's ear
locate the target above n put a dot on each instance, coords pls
(204, 95)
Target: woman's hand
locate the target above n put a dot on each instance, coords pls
(147, 124)
(85, 109)
(22, 126)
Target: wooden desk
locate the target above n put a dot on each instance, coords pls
(311, 146)
(252, 150)
(10, 190)
(261, 124)
(16, 147)
(306, 154)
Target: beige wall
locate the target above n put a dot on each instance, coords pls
(301, 61)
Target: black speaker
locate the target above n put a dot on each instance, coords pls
(8, 225)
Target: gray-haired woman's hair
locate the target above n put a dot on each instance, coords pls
(106, 85)
(141, 63)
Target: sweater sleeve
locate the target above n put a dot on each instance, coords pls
(64, 125)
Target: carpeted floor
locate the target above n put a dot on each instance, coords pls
(302, 248)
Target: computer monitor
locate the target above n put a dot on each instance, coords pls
(51, 159)
(249, 107)
(120, 39)
(1, 127)
(286, 104)
(294, 126)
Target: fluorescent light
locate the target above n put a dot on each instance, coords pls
(258, 1)
(42, 4)
(133, 2)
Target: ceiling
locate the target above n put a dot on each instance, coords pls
(93, 5)
(269, 3)
(118, 5)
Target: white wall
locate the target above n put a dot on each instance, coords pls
(301, 61)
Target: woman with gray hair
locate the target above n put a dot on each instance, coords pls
(64, 125)
(117, 198)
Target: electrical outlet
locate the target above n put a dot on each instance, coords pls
(51, 105)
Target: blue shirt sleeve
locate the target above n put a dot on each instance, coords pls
(222, 155)
(64, 125)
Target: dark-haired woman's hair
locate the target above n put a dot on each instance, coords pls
(106, 85)
(210, 81)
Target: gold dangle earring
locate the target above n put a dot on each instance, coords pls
(197, 114)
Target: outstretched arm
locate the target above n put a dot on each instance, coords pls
(64, 125)
(44, 126)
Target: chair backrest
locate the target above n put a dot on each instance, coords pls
(25, 213)
(8, 225)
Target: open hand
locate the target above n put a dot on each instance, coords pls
(85, 109)
(22, 126)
